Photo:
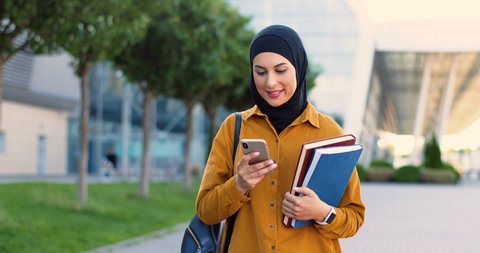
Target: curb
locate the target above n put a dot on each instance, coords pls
(138, 240)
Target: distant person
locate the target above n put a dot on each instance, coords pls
(260, 192)
(112, 158)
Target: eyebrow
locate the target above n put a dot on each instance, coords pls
(278, 65)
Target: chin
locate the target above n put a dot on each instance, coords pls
(275, 103)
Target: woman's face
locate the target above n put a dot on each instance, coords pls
(274, 77)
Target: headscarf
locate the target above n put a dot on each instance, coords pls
(286, 42)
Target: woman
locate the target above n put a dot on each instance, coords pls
(260, 192)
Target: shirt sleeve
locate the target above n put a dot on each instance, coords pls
(218, 197)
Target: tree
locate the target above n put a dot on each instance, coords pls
(24, 24)
(199, 25)
(92, 31)
(433, 155)
(233, 69)
(150, 63)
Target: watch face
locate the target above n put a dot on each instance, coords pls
(331, 218)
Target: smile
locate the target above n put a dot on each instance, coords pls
(274, 94)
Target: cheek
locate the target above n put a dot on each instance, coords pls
(258, 80)
(291, 86)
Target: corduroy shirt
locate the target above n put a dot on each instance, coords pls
(259, 224)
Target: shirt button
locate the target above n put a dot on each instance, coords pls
(273, 247)
(272, 226)
(272, 183)
(272, 204)
(276, 141)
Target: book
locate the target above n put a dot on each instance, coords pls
(328, 174)
(304, 159)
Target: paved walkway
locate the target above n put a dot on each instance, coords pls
(405, 218)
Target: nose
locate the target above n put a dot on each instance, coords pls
(271, 80)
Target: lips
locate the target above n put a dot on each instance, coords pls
(274, 93)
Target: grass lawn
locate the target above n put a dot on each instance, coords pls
(43, 217)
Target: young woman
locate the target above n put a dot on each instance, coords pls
(260, 192)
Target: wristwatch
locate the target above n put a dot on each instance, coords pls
(329, 218)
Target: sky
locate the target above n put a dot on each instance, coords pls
(399, 10)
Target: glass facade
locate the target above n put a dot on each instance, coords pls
(116, 122)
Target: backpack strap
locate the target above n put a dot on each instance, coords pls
(238, 126)
(231, 220)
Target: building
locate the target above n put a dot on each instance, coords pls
(393, 84)
(35, 115)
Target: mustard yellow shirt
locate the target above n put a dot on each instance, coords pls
(259, 225)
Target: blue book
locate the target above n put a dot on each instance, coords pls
(328, 174)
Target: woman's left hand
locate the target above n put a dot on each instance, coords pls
(307, 206)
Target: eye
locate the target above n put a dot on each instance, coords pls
(280, 70)
(261, 73)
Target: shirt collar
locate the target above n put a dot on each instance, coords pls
(310, 114)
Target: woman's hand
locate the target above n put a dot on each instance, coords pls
(307, 206)
(250, 175)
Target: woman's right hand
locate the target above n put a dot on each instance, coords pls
(249, 175)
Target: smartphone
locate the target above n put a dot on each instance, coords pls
(255, 145)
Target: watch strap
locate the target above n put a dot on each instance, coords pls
(329, 218)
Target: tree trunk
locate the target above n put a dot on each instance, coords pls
(212, 112)
(2, 62)
(188, 140)
(147, 118)
(83, 134)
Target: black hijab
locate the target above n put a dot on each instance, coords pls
(286, 42)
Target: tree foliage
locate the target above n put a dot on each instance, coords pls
(432, 154)
(24, 25)
(97, 30)
(151, 61)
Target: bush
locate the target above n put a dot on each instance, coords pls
(408, 174)
(380, 174)
(380, 171)
(442, 176)
(380, 164)
(449, 167)
(361, 172)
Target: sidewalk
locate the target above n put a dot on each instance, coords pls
(168, 240)
(400, 218)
